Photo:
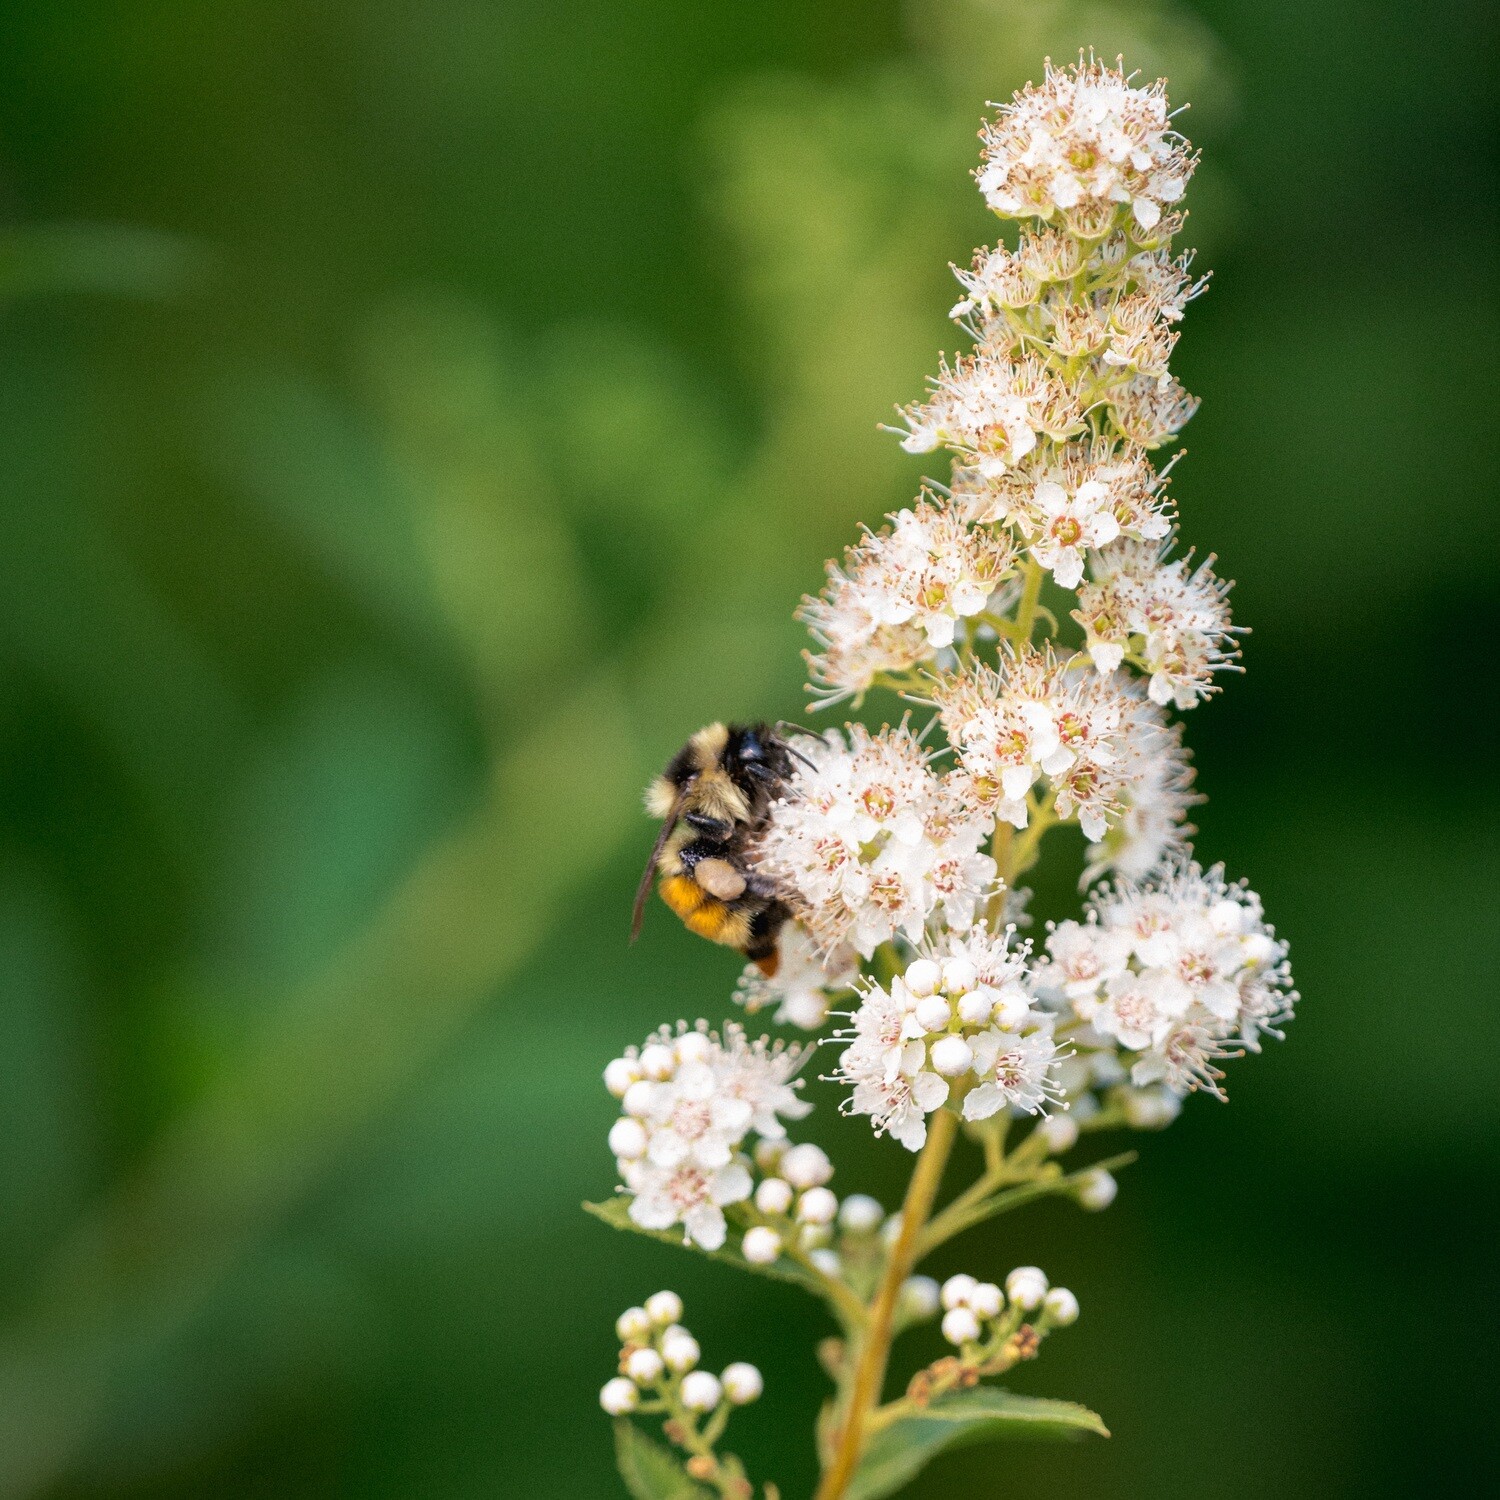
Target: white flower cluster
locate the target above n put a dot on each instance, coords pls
(992, 410)
(1156, 791)
(689, 1102)
(1168, 977)
(1038, 718)
(975, 1311)
(961, 1021)
(1083, 144)
(805, 981)
(900, 595)
(659, 1360)
(869, 842)
(1173, 620)
(1064, 504)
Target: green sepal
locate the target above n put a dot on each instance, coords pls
(898, 1453)
(616, 1213)
(650, 1470)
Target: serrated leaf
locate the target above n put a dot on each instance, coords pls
(651, 1471)
(899, 1452)
(616, 1213)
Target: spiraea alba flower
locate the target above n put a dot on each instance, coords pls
(1029, 601)
(1173, 973)
(960, 1022)
(870, 842)
(689, 1102)
(901, 595)
(1081, 145)
(1036, 719)
(1173, 616)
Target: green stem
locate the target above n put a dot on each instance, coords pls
(875, 1345)
(1031, 592)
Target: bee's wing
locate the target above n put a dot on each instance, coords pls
(638, 914)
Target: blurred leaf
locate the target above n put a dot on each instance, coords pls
(616, 1213)
(292, 448)
(115, 259)
(650, 1471)
(899, 1452)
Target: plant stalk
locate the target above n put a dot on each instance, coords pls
(875, 1346)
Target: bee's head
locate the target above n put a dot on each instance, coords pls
(761, 755)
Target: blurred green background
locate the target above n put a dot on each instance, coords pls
(415, 419)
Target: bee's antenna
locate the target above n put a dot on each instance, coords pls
(801, 729)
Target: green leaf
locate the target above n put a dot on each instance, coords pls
(899, 1452)
(616, 1213)
(651, 1471)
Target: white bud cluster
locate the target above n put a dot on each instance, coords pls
(690, 1101)
(1165, 978)
(978, 1313)
(960, 1019)
(659, 1361)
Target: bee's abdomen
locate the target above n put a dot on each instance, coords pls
(704, 914)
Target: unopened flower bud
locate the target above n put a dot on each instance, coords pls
(806, 1166)
(952, 1055)
(701, 1391)
(817, 1206)
(1151, 1109)
(827, 1261)
(619, 1075)
(627, 1138)
(922, 977)
(1026, 1286)
(663, 1308)
(633, 1326)
(890, 1231)
(975, 1007)
(1059, 1133)
(742, 1383)
(960, 1326)
(638, 1098)
(693, 1046)
(1061, 1306)
(1011, 1007)
(761, 1246)
(1097, 1190)
(959, 975)
(680, 1349)
(860, 1214)
(768, 1154)
(933, 1013)
(956, 1290)
(619, 1396)
(987, 1299)
(920, 1298)
(658, 1061)
(643, 1366)
(774, 1196)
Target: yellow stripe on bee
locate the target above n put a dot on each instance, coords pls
(683, 894)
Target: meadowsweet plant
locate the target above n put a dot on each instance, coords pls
(1033, 610)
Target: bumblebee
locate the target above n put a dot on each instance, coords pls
(714, 798)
